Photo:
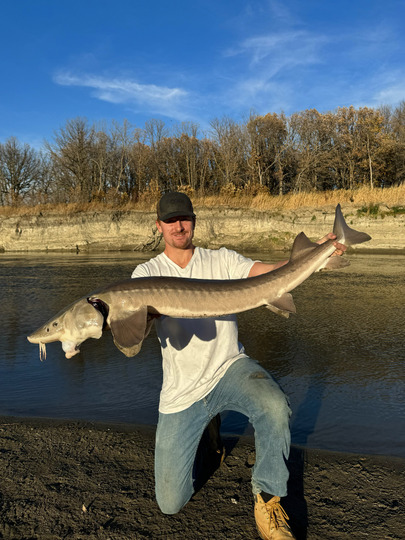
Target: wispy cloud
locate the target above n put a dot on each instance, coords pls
(288, 66)
(273, 65)
(157, 99)
(281, 50)
(281, 13)
(392, 93)
(299, 68)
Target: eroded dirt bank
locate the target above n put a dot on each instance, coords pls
(74, 480)
(238, 229)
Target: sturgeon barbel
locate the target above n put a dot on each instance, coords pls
(129, 307)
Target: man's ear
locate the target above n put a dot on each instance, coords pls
(159, 228)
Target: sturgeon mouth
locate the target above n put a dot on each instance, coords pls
(70, 348)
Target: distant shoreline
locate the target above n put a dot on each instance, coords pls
(236, 228)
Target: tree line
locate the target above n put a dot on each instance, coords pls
(306, 151)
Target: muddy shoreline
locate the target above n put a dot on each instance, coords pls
(81, 480)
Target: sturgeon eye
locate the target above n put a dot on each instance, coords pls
(55, 324)
(47, 329)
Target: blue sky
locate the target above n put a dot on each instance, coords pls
(193, 60)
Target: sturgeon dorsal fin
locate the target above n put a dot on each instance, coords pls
(301, 246)
(283, 305)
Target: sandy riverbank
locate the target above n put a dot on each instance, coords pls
(64, 479)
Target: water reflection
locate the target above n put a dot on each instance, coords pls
(340, 359)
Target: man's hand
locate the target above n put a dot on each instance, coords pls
(340, 248)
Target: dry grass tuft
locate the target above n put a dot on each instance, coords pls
(391, 197)
(230, 197)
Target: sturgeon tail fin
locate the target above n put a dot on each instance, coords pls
(346, 235)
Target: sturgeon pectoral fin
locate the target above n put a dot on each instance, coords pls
(284, 305)
(134, 350)
(130, 351)
(129, 329)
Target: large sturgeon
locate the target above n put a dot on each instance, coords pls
(129, 307)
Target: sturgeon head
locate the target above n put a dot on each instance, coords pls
(72, 326)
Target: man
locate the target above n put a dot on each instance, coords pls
(206, 371)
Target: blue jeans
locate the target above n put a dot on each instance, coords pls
(248, 389)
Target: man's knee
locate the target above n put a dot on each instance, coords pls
(275, 408)
(171, 504)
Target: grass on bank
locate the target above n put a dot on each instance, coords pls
(365, 200)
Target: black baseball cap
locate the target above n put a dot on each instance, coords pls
(174, 204)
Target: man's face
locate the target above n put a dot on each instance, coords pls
(177, 232)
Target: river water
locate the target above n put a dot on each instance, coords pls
(340, 359)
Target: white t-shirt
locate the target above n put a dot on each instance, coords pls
(196, 352)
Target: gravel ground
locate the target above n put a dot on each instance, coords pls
(65, 479)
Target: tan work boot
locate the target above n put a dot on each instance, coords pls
(271, 519)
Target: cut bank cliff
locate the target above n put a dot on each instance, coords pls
(241, 229)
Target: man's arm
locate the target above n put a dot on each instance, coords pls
(262, 268)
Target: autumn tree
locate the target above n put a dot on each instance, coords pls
(43, 189)
(140, 164)
(228, 151)
(398, 143)
(71, 153)
(101, 162)
(122, 139)
(206, 181)
(267, 143)
(156, 131)
(311, 139)
(370, 125)
(309, 150)
(188, 146)
(20, 168)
